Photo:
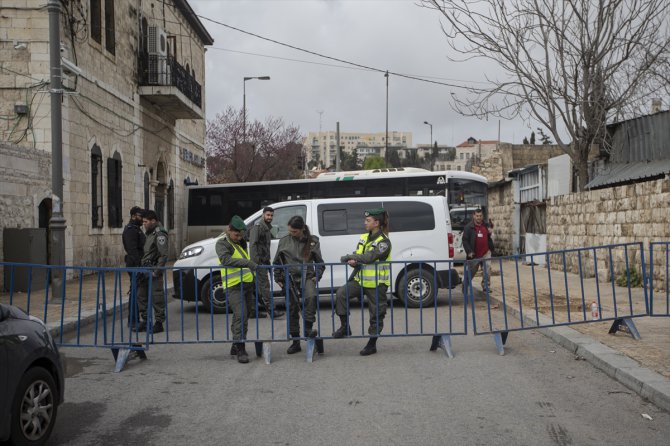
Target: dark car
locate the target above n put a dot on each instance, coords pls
(31, 378)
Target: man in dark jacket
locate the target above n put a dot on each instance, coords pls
(478, 247)
(259, 251)
(133, 240)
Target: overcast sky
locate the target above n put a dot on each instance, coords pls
(394, 35)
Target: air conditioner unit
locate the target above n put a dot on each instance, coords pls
(157, 41)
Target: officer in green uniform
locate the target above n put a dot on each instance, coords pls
(155, 255)
(371, 277)
(302, 252)
(237, 279)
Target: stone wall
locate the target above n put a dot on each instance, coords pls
(501, 208)
(514, 156)
(635, 213)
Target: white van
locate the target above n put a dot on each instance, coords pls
(420, 233)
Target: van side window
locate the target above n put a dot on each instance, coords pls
(410, 216)
(343, 218)
(283, 215)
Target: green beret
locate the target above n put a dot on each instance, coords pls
(237, 223)
(374, 212)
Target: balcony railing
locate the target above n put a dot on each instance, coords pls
(164, 70)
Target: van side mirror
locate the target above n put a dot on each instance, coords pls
(274, 231)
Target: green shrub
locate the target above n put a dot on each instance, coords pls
(635, 279)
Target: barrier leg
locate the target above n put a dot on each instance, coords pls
(310, 349)
(500, 339)
(123, 355)
(267, 352)
(443, 342)
(259, 349)
(626, 325)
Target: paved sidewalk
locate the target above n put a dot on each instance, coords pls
(642, 365)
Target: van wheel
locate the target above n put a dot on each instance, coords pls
(34, 408)
(417, 288)
(213, 295)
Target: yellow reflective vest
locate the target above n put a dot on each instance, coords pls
(372, 274)
(231, 276)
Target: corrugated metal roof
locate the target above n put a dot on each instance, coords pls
(645, 138)
(617, 173)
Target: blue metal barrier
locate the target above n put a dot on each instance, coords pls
(98, 307)
(659, 279)
(554, 296)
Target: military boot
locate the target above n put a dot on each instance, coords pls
(242, 356)
(295, 345)
(309, 331)
(370, 348)
(344, 329)
(233, 350)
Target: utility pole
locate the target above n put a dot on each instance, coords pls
(57, 222)
(386, 139)
(337, 150)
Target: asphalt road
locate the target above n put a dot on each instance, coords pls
(536, 394)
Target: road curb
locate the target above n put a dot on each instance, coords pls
(643, 381)
(70, 324)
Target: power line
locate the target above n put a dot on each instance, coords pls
(336, 59)
(333, 65)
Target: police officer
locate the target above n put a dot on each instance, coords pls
(155, 255)
(302, 252)
(259, 251)
(133, 240)
(371, 277)
(237, 279)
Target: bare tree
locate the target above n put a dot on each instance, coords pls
(572, 65)
(270, 151)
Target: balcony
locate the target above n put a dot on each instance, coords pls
(167, 85)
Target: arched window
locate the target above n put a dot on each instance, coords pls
(170, 199)
(146, 190)
(114, 191)
(96, 187)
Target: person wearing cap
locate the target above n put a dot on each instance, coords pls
(301, 252)
(259, 251)
(237, 280)
(371, 277)
(155, 256)
(133, 241)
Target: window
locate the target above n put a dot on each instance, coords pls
(146, 190)
(280, 219)
(344, 218)
(96, 187)
(410, 216)
(109, 26)
(114, 191)
(170, 199)
(96, 21)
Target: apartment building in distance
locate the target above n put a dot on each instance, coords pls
(133, 119)
(322, 146)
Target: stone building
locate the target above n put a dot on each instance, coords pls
(133, 118)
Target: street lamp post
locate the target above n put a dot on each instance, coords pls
(432, 155)
(244, 102)
(431, 132)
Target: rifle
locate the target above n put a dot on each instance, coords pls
(293, 288)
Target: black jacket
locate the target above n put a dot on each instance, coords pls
(133, 243)
(469, 239)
